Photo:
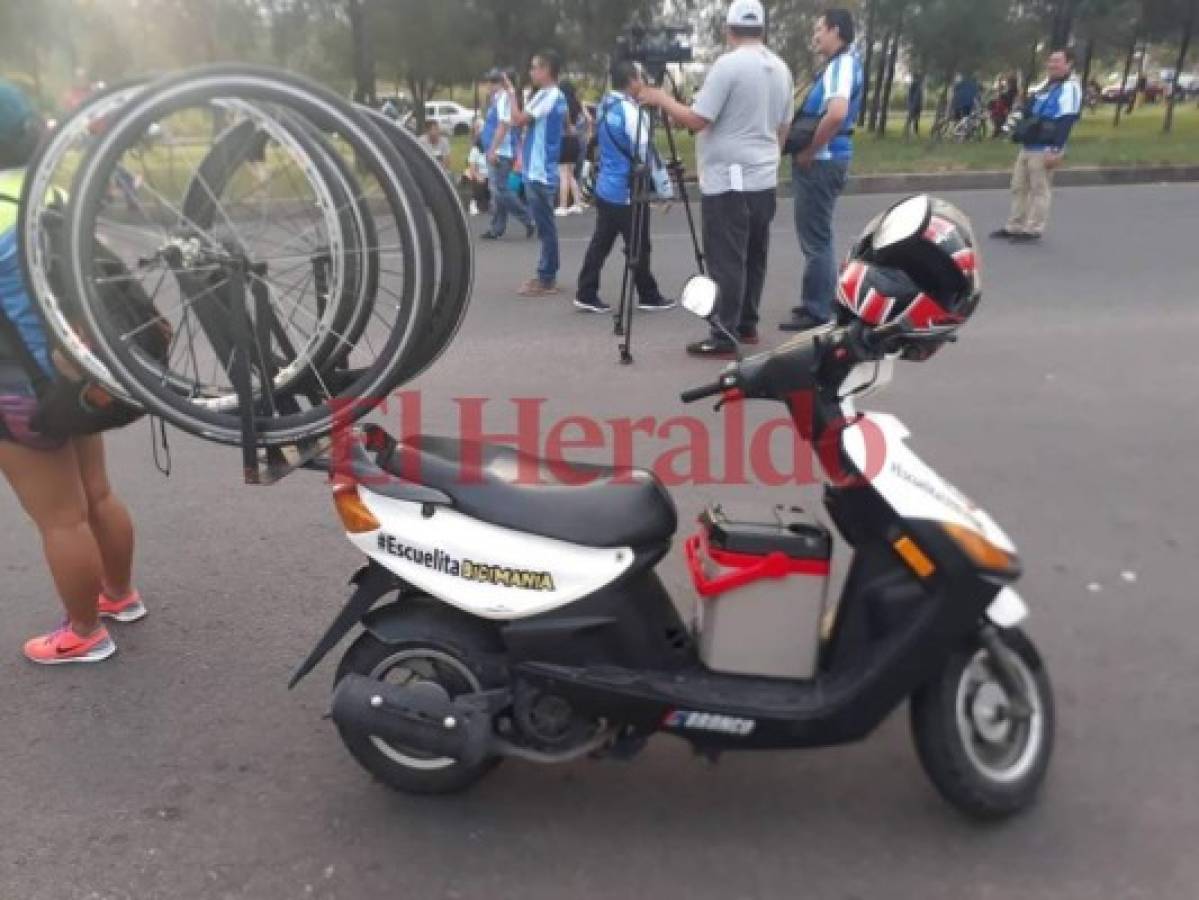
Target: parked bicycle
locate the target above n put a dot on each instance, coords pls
(971, 127)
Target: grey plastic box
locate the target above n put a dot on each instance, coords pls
(770, 627)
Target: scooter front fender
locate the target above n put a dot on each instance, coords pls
(1008, 609)
(371, 582)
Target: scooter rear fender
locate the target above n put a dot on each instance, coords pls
(372, 582)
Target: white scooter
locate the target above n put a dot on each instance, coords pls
(527, 621)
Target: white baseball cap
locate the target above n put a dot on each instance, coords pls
(748, 13)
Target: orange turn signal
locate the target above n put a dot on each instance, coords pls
(354, 514)
(916, 558)
(984, 554)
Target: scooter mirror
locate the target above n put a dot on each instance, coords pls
(700, 295)
(904, 221)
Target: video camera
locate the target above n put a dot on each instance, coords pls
(655, 47)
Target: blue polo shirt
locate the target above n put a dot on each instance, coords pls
(619, 132)
(1061, 102)
(543, 135)
(842, 79)
(499, 111)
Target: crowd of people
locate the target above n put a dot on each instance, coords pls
(746, 119)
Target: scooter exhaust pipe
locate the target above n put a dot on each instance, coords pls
(419, 718)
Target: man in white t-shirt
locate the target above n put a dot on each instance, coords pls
(741, 116)
(436, 144)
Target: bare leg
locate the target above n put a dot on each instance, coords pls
(49, 487)
(109, 519)
(564, 186)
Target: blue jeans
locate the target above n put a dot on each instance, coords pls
(542, 200)
(816, 193)
(505, 201)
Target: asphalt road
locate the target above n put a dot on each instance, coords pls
(184, 768)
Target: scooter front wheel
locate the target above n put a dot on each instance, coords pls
(985, 750)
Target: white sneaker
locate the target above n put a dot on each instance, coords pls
(577, 208)
(474, 208)
(560, 212)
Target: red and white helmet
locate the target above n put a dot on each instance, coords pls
(918, 262)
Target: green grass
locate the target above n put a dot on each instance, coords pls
(1138, 141)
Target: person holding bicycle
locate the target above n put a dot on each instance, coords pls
(86, 531)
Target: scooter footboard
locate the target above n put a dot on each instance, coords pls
(724, 711)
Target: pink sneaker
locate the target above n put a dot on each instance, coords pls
(63, 645)
(128, 610)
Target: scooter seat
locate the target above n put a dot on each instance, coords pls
(580, 503)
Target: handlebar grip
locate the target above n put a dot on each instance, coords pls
(699, 393)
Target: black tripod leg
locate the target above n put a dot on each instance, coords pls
(633, 250)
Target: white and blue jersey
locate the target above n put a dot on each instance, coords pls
(621, 126)
(499, 112)
(1059, 102)
(842, 79)
(543, 135)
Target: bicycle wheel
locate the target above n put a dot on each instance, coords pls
(46, 188)
(217, 258)
(47, 181)
(212, 191)
(454, 257)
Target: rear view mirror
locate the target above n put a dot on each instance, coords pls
(700, 295)
(905, 220)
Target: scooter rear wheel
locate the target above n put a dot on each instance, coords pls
(436, 649)
(985, 758)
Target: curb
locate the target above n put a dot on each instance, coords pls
(1096, 176)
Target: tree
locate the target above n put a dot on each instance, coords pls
(954, 36)
(1169, 18)
(363, 52)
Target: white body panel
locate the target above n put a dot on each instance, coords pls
(484, 570)
(1008, 609)
(912, 489)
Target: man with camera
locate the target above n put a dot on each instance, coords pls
(821, 144)
(499, 143)
(1042, 133)
(741, 115)
(622, 133)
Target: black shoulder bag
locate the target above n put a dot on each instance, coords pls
(803, 128)
(1033, 129)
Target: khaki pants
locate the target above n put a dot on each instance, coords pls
(1032, 192)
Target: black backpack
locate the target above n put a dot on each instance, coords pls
(68, 406)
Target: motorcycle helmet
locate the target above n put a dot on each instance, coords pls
(919, 262)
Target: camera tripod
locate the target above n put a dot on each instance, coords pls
(641, 192)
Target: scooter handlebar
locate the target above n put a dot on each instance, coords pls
(699, 393)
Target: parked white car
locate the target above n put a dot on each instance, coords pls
(452, 117)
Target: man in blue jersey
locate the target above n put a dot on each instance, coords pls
(544, 121)
(499, 144)
(820, 170)
(1051, 112)
(622, 131)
